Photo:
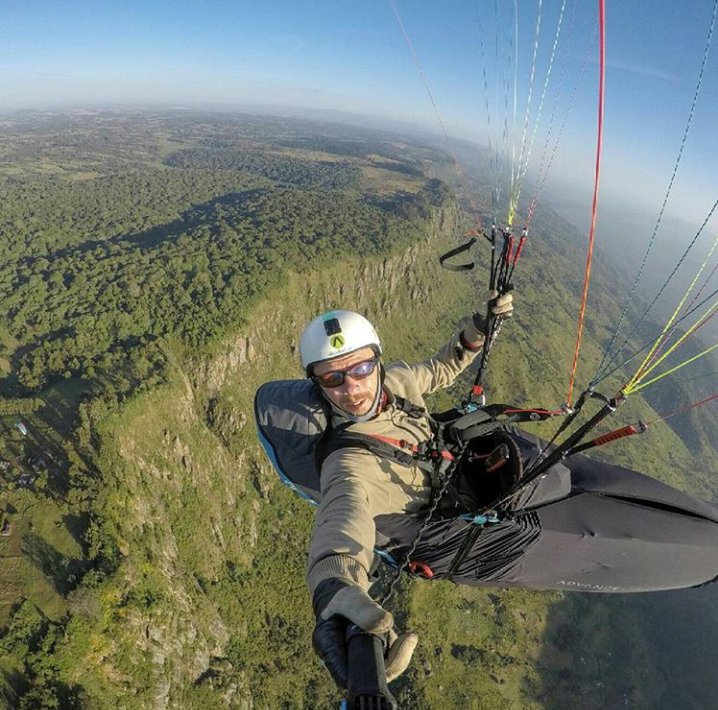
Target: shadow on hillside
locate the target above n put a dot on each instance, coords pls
(10, 385)
(12, 685)
(60, 410)
(40, 690)
(64, 572)
(201, 215)
(77, 526)
(654, 650)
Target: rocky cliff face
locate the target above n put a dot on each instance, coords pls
(206, 534)
(379, 288)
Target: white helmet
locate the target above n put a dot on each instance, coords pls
(334, 334)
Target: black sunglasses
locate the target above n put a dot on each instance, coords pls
(336, 378)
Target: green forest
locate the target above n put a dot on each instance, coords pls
(157, 268)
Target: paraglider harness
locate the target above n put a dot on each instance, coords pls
(440, 457)
(474, 465)
(295, 430)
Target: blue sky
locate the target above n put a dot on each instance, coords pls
(350, 55)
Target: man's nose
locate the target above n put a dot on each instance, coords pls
(350, 384)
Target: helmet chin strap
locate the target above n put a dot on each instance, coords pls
(373, 410)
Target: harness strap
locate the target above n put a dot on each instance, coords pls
(421, 452)
(515, 414)
(413, 410)
(455, 252)
(471, 536)
(395, 450)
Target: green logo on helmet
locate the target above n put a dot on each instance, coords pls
(337, 341)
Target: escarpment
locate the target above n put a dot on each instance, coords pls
(210, 582)
(402, 285)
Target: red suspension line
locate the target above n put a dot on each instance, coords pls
(683, 409)
(597, 176)
(640, 426)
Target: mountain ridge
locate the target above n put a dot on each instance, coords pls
(195, 596)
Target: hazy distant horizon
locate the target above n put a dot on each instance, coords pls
(351, 59)
(566, 196)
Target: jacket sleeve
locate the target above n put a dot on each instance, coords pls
(358, 486)
(443, 368)
(344, 532)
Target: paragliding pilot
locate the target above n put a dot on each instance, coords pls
(355, 438)
(341, 353)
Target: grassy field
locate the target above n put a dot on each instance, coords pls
(42, 551)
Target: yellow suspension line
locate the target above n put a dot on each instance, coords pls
(640, 373)
(672, 370)
(631, 387)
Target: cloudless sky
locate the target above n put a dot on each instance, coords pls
(350, 55)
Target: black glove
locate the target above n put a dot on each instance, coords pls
(337, 603)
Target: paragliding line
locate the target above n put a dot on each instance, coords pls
(688, 407)
(594, 207)
(494, 160)
(643, 385)
(525, 162)
(647, 345)
(516, 185)
(638, 428)
(689, 379)
(459, 169)
(644, 368)
(544, 167)
(670, 278)
(607, 358)
(665, 336)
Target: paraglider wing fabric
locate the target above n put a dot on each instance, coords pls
(617, 531)
(606, 479)
(597, 543)
(623, 531)
(554, 484)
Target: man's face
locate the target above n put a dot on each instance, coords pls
(353, 396)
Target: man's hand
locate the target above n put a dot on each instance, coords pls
(337, 603)
(501, 306)
(498, 307)
(399, 652)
